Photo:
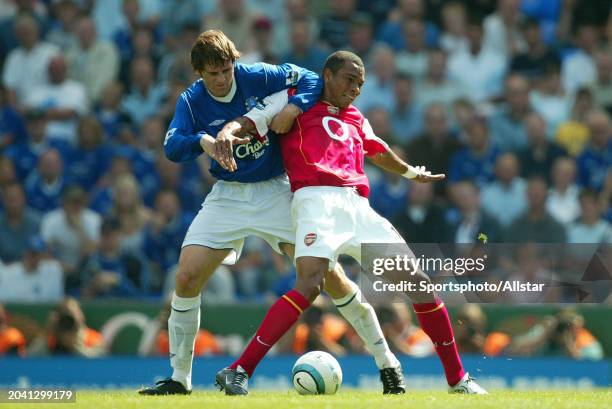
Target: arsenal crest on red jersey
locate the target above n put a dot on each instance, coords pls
(310, 238)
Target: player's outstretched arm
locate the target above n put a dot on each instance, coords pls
(390, 162)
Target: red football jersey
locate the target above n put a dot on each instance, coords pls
(326, 147)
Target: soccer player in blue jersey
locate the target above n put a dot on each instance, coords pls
(252, 196)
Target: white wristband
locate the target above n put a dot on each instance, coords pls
(414, 171)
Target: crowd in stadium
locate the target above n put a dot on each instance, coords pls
(511, 99)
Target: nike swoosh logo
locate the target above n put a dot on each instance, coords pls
(379, 342)
(303, 387)
(172, 356)
(261, 342)
(451, 342)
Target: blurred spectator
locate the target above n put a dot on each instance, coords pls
(185, 180)
(602, 89)
(422, 219)
(8, 176)
(502, 29)
(34, 279)
(470, 329)
(12, 125)
(72, 232)
(130, 212)
(142, 46)
(175, 64)
(435, 148)
(550, 100)
(294, 10)
(507, 124)
(164, 235)
(532, 62)
(401, 333)
(412, 60)
(61, 100)
(25, 155)
(477, 160)
(68, 334)
(390, 31)
(18, 223)
(436, 86)
(45, 185)
(90, 158)
(103, 194)
(378, 89)
(361, 37)
(146, 96)
(578, 68)
(573, 134)
(304, 52)
(532, 266)
(561, 334)
(538, 156)
(12, 341)
(596, 159)
(62, 31)
(478, 70)
(25, 68)
(248, 269)
(123, 35)
(110, 112)
(92, 62)
(206, 343)
(234, 19)
(536, 225)
(336, 25)
(10, 11)
(589, 227)
(389, 192)
(111, 272)
(406, 116)
(562, 202)
(262, 49)
(505, 198)
(453, 37)
(466, 224)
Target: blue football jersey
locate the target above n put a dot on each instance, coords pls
(198, 113)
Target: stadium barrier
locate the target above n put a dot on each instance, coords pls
(128, 324)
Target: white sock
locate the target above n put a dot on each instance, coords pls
(183, 325)
(360, 314)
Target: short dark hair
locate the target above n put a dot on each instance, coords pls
(212, 48)
(337, 60)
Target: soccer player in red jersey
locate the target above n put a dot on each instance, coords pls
(324, 157)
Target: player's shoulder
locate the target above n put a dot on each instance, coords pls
(352, 114)
(195, 91)
(255, 69)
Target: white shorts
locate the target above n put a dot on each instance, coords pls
(233, 211)
(332, 220)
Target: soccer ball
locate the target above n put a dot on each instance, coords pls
(317, 373)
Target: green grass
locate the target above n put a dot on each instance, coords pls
(347, 399)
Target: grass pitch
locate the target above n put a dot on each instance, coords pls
(344, 399)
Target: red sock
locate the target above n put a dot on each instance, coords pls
(434, 320)
(280, 317)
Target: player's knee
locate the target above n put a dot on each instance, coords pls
(310, 283)
(187, 282)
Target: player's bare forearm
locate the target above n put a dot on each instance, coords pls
(245, 126)
(390, 162)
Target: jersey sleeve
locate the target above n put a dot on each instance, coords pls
(182, 142)
(308, 84)
(372, 144)
(262, 114)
